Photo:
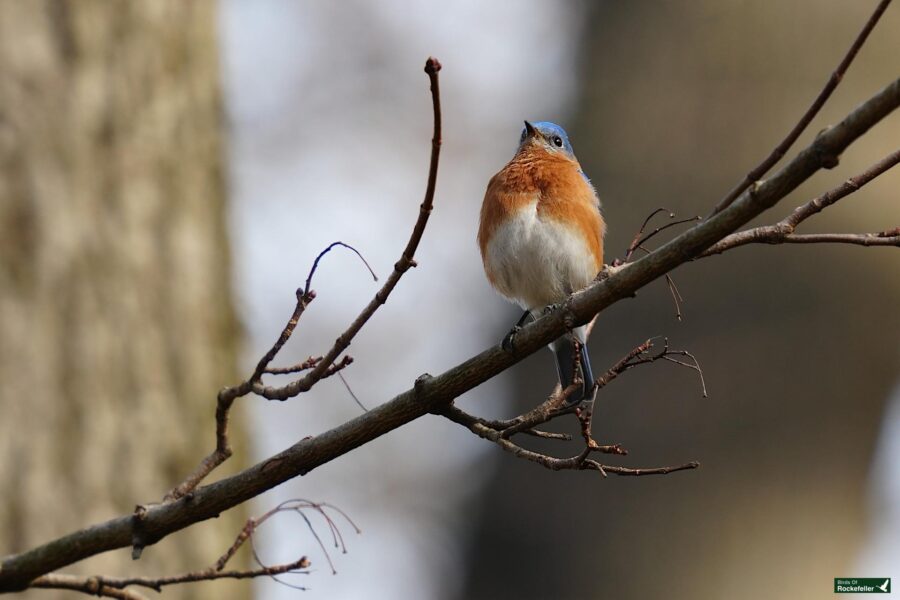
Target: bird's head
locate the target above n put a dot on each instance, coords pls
(546, 135)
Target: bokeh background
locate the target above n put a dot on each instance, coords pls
(169, 170)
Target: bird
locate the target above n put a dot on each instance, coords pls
(541, 239)
(884, 586)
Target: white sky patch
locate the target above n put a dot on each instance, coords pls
(330, 126)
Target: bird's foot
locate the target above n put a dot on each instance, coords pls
(509, 340)
(551, 308)
(609, 270)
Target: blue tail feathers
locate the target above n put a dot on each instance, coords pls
(564, 350)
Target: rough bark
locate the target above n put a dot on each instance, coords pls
(116, 325)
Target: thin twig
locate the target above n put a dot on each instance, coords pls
(677, 299)
(352, 395)
(315, 266)
(577, 462)
(325, 366)
(832, 83)
(432, 67)
(625, 471)
(86, 585)
(783, 231)
(305, 365)
(694, 365)
(635, 241)
(114, 587)
(501, 432)
(660, 229)
(224, 402)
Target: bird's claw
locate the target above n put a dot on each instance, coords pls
(551, 308)
(609, 270)
(509, 340)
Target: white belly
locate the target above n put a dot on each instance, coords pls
(536, 262)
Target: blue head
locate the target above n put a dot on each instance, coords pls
(548, 135)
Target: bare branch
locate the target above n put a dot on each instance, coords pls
(636, 240)
(856, 239)
(578, 462)
(225, 400)
(501, 432)
(325, 366)
(305, 365)
(86, 585)
(625, 471)
(785, 145)
(432, 67)
(352, 395)
(677, 299)
(783, 231)
(114, 587)
(432, 394)
(315, 266)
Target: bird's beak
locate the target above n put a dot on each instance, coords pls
(530, 131)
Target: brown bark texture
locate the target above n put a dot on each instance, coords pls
(116, 322)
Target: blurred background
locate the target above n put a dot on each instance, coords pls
(169, 170)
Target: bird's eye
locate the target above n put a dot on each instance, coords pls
(557, 141)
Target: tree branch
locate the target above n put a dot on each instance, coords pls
(501, 432)
(324, 366)
(783, 231)
(785, 145)
(580, 462)
(304, 384)
(114, 587)
(433, 394)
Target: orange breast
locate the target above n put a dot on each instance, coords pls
(563, 195)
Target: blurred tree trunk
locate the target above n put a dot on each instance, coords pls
(116, 323)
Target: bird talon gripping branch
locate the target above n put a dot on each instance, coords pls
(509, 340)
(551, 308)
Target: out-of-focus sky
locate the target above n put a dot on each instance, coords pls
(329, 127)
(329, 132)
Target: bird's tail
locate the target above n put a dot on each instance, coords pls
(564, 350)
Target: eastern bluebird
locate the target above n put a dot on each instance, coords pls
(541, 236)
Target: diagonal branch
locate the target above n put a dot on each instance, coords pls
(785, 145)
(432, 394)
(225, 400)
(115, 587)
(324, 366)
(783, 231)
